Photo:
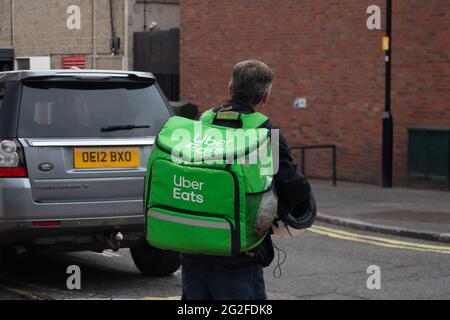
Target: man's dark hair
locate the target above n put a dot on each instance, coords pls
(252, 80)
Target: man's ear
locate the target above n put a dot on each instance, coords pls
(230, 88)
(266, 97)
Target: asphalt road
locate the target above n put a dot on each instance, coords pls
(324, 263)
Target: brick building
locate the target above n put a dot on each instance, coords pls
(42, 33)
(324, 52)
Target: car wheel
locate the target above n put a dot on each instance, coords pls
(155, 262)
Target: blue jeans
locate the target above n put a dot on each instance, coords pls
(203, 281)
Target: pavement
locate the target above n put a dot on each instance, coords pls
(422, 214)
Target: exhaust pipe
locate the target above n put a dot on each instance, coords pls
(113, 240)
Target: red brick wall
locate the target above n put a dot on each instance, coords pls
(322, 50)
(421, 69)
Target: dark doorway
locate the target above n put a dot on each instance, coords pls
(6, 59)
(158, 52)
(6, 66)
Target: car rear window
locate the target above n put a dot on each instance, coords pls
(50, 109)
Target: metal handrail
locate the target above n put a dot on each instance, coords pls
(333, 148)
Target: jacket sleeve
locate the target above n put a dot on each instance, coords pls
(292, 187)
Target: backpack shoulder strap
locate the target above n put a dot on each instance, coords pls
(208, 117)
(253, 120)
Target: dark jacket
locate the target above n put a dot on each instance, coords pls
(293, 190)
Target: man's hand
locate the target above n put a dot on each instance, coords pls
(300, 217)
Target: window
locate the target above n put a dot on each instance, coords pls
(82, 109)
(23, 64)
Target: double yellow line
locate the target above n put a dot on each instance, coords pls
(162, 298)
(378, 241)
(27, 295)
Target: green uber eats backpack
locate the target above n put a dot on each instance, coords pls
(208, 188)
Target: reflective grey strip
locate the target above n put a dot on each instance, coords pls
(190, 222)
(89, 142)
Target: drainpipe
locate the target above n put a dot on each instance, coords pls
(12, 23)
(94, 40)
(145, 15)
(113, 32)
(388, 123)
(125, 35)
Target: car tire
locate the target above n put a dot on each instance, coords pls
(155, 262)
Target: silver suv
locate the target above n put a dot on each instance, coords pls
(74, 146)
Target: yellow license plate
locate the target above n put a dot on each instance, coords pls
(98, 158)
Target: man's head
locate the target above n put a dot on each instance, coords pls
(252, 82)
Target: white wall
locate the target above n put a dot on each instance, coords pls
(36, 63)
(40, 63)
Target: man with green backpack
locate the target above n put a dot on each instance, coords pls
(214, 188)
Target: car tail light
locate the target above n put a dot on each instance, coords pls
(12, 159)
(46, 224)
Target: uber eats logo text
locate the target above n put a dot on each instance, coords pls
(208, 145)
(186, 190)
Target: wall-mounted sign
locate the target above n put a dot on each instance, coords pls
(73, 22)
(300, 103)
